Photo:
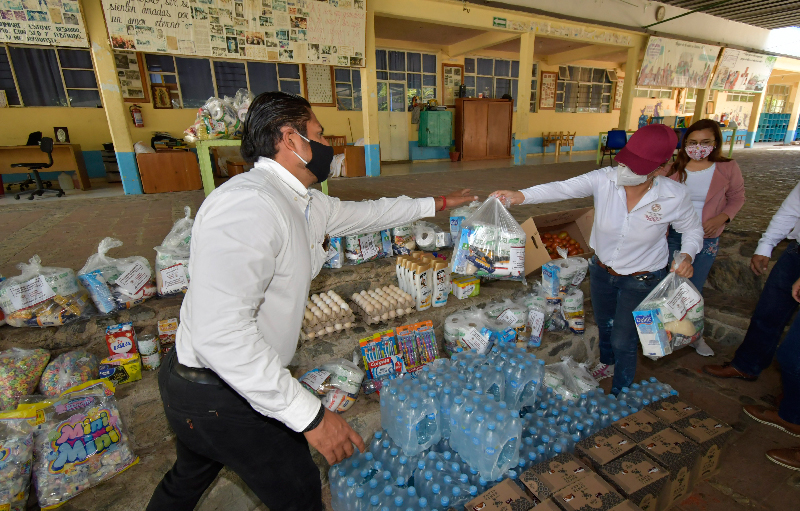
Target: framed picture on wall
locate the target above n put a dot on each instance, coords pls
(452, 79)
(131, 76)
(547, 91)
(618, 93)
(318, 84)
(161, 97)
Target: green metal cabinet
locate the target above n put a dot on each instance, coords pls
(435, 128)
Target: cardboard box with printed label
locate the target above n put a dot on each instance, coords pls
(604, 447)
(576, 222)
(638, 478)
(677, 454)
(672, 409)
(546, 478)
(591, 493)
(640, 425)
(710, 434)
(506, 496)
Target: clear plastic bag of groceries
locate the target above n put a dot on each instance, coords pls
(465, 329)
(68, 370)
(172, 257)
(116, 284)
(491, 245)
(671, 317)
(362, 248)
(430, 237)
(336, 382)
(569, 378)
(43, 296)
(560, 276)
(16, 448)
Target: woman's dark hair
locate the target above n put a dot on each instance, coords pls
(268, 113)
(679, 167)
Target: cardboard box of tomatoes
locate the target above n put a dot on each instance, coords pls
(545, 233)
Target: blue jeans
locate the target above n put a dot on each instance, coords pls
(614, 300)
(774, 311)
(702, 261)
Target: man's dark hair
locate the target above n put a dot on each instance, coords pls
(268, 113)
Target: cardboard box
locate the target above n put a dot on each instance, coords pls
(626, 506)
(677, 454)
(122, 368)
(548, 505)
(546, 478)
(639, 425)
(577, 222)
(121, 339)
(506, 496)
(672, 409)
(638, 478)
(604, 447)
(589, 494)
(710, 434)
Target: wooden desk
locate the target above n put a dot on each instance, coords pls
(66, 158)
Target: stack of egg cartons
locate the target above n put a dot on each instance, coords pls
(383, 304)
(326, 313)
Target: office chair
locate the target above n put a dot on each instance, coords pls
(33, 139)
(616, 140)
(46, 145)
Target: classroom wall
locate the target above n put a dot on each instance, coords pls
(738, 111)
(646, 106)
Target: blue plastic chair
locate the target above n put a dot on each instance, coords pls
(616, 140)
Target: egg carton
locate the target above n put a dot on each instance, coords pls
(326, 313)
(382, 304)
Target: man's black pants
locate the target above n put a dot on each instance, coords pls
(216, 427)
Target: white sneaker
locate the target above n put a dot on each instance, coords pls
(703, 349)
(602, 371)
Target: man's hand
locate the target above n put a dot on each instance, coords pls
(712, 225)
(334, 438)
(796, 290)
(685, 269)
(456, 199)
(759, 264)
(509, 197)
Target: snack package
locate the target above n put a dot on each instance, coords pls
(336, 381)
(43, 296)
(16, 452)
(172, 257)
(569, 378)
(167, 330)
(81, 443)
(671, 317)
(561, 276)
(20, 371)
(335, 254)
(116, 284)
(491, 245)
(122, 368)
(403, 239)
(68, 370)
(430, 237)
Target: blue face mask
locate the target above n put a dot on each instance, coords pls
(321, 158)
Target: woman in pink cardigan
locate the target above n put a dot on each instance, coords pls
(716, 189)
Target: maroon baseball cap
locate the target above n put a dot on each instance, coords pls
(648, 148)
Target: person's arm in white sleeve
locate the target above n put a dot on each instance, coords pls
(688, 224)
(347, 217)
(576, 188)
(233, 261)
(781, 224)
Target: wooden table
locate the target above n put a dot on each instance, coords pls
(66, 158)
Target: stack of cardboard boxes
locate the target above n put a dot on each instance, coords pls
(647, 461)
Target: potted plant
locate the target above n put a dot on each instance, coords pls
(454, 155)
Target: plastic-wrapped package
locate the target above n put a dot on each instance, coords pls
(457, 217)
(43, 296)
(241, 103)
(569, 378)
(16, 451)
(572, 310)
(81, 444)
(361, 248)
(172, 257)
(19, 373)
(563, 275)
(220, 118)
(116, 284)
(467, 329)
(492, 244)
(403, 239)
(512, 314)
(671, 317)
(335, 254)
(430, 237)
(336, 381)
(68, 370)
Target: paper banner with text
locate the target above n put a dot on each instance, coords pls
(51, 22)
(673, 63)
(743, 71)
(305, 31)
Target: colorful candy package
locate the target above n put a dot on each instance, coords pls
(19, 373)
(68, 370)
(16, 451)
(81, 443)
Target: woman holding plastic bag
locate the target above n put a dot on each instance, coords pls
(633, 208)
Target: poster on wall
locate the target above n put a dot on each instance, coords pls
(547, 92)
(618, 93)
(673, 63)
(743, 71)
(319, 84)
(303, 31)
(452, 78)
(51, 22)
(129, 73)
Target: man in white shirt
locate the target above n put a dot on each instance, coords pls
(257, 242)
(777, 305)
(633, 208)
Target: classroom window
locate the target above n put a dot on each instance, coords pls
(534, 88)
(491, 77)
(348, 88)
(775, 99)
(654, 93)
(583, 90)
(414, 71)
(33, 76)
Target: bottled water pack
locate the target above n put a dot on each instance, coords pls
(409, 413)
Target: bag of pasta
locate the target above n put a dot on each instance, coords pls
(43, 296)
(491, 245)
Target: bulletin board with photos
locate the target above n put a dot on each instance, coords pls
(50, 22)
(131, 75)
(452, 79)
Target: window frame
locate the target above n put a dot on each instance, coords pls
(422, 74)
(584, 84)
(513, 80)
(352, 97)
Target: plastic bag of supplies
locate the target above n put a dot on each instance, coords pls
(172, 257)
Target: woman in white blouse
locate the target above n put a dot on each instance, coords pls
(633, 208)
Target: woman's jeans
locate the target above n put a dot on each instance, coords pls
(702, 261)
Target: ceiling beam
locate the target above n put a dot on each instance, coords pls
(587, 53)
(479, 42)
